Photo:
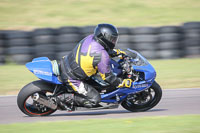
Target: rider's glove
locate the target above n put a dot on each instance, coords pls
(125, 83)
(118, 51)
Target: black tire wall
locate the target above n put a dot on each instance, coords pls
(2, 48)
(145, 40)
(44, 42)
(191, 39)
(67, 39)
(18, 46)
(165, 42)
(170, 42)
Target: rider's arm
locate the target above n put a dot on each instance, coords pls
(105, 70)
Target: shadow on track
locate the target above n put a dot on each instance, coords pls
(84, 113)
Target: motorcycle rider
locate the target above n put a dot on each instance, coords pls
(90, 56)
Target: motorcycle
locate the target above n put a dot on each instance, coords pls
(38, 98)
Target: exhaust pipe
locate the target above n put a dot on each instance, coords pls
(43, 100)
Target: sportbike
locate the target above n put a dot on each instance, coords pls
(38, 98)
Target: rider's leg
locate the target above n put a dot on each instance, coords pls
(90, 98)
(86, 95)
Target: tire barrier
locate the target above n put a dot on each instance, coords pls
(67, 38)
(18, 44)
(165, 42)
(2, 49)
(191, 39)
(44, 42)
(145, 40)
(87, 30)
(124, 38)
(170, 41)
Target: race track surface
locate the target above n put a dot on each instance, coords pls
(174, 102)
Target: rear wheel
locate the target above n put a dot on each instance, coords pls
(26, 103)
(144, 100)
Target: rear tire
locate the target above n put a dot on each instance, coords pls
(27, 91)
(131, 102)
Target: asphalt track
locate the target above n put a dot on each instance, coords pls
(174, 102)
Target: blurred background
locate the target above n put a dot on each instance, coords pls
(157, 29)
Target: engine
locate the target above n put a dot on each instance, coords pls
(127, 69)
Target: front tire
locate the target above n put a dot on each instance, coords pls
(30, 107)
(144, 100)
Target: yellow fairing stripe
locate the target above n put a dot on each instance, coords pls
(70, 83)
(86, 63)
(77, 53)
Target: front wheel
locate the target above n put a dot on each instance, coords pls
(144, 100)
(26, 103)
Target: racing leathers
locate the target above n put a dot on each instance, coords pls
(85, 60)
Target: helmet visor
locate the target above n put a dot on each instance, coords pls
(111, 38)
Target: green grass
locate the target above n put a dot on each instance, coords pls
(14, 77)
(161, 124)
(28, 14)
(179, 73)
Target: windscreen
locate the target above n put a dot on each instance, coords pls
(138, 60)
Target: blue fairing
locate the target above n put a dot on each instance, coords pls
(148, 70)
(42, 68)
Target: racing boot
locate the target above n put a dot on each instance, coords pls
(66, 101)
(82, 101)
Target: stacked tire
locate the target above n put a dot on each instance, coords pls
(170, 42)
(87, 30)
(67, 39)
(192, 39)
(2, 48)
(44, 42)
(124, 38)
(145, 40)
(19, 46)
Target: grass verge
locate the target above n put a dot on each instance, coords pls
(178, 73)
(158, 124)
(23, 14)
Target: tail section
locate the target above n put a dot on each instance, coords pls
(42, 68)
